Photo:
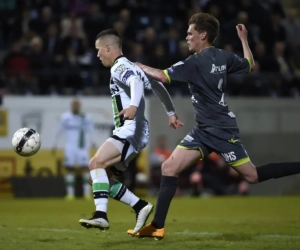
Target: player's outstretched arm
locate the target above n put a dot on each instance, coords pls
(157, 74)
(243, 33)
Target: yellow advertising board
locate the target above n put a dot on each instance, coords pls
(44, 163)
(3, 122)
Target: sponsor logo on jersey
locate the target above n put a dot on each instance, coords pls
(172, 68)
(120, 69)
(215, 69)
(177, 64)
(128, 74)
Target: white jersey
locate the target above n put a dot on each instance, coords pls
(77, 130)
(121, 72)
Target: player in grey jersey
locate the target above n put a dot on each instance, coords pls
(216, 128)
(131, 132)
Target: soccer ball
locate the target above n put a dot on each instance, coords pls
(26, 142)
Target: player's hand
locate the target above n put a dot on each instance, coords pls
(242, 31)
(174, 122)
(128, 113)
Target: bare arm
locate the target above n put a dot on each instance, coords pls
(242, 33)
(156, 74)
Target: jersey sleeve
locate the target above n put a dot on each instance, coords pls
(180, 71)
(237, 65)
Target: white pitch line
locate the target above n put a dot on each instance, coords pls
(199, 234)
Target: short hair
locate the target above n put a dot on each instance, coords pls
(111, 32)
(206, 22)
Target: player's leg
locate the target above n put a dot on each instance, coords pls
(69, 177)
(235, 154)
(262, 173)
(107, 155)
(83, 160)
(188, 152)
(177, 162)
(118, 191)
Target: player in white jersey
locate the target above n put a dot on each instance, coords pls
(131, 132)
(78, 129)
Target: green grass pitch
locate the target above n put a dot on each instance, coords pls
(233, 223)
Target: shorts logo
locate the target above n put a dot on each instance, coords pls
(188, 138)
(233, 140)
(229, 157)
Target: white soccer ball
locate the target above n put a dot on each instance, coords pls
(26, 142)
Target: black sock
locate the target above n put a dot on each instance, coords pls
(100, 214)
(139, 205)
(166, 193)
(277, 170)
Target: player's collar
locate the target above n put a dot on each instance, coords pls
(211, 46)
(117, 59)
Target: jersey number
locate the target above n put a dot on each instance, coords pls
(220, 87)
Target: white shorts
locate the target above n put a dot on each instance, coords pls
(130, 140)
(76, 157)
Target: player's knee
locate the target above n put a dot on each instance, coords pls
(96, 163)
(251, 178)
(168, 169)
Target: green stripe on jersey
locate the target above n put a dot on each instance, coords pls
(81, 134)
(116, 112)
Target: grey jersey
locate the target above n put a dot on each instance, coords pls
(206, 75)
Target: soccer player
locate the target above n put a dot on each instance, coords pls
(216, 127)
(131, 132)
(78, 129)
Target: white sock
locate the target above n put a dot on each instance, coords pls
(70, 181)
(86, 186)
(120, 192)
(100, 188)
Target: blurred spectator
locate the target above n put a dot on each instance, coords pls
(93, 22)
(171, 42)
(39, 63)
(159, 57)
(149, 41)
(70, 23)
(73, 40)
(273, 31)
(71, 68)
(157, 157)
(17, 70)
(154, 32)
(215, 174)
(40, 24)
(137, 53)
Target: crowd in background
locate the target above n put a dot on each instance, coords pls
(47, 46)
